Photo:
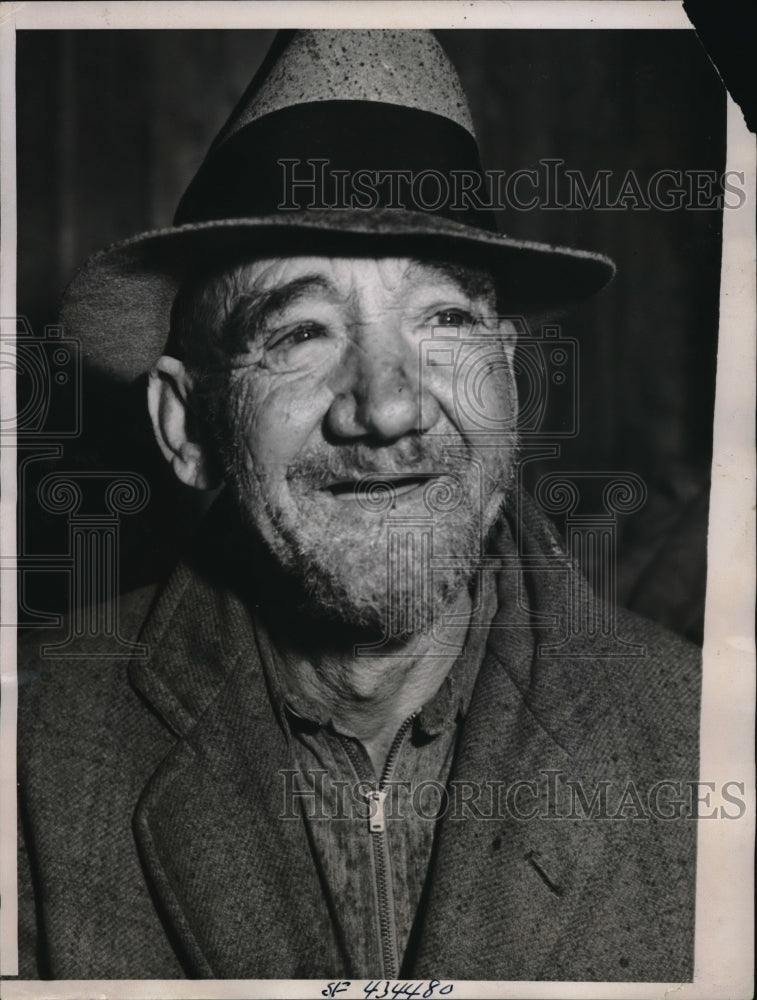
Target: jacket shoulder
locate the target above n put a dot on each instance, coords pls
(66, 675)
(666, 667)
(646, 705)
(87, 746)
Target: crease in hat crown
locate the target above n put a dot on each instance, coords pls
(407, 68)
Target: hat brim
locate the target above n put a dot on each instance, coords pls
(118, 305)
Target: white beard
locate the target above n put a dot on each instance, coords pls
(386, 570)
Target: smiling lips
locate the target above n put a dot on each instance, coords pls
(398, 485)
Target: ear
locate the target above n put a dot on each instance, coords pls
(168, 388)
(509, 336)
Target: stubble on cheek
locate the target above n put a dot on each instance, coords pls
(351, 564)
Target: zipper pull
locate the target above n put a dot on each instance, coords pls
(376, 818)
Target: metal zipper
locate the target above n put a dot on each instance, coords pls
(382, 869)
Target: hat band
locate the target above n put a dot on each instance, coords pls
(341, 154)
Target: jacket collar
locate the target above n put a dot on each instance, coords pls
(200, 625)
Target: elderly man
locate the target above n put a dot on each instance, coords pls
(349, 744)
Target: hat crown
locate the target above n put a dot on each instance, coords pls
(406, 68)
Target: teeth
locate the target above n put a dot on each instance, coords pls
(404, 485)
(340, 489)
(399, 485)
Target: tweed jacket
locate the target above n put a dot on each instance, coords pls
(151, 800)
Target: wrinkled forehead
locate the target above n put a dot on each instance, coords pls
(204, 314)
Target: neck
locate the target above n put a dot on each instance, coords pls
(369, 695)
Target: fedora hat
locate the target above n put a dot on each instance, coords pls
(347, 142)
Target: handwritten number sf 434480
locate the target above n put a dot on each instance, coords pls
(384, 989)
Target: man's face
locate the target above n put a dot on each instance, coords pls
(354, 444)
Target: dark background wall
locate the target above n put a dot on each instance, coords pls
(112, 125)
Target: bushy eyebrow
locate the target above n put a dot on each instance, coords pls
(252, 310)
(475, 283)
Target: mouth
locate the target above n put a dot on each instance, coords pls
(390, 485)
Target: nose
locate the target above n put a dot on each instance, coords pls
(380, 393)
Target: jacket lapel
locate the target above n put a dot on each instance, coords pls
(209, 824)
(507, 885)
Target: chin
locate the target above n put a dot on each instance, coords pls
(354, 612)
(368, 577)
(383, 586)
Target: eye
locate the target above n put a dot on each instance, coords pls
(452, 318)
(299, 334)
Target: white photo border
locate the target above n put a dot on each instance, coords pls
(724, 923)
